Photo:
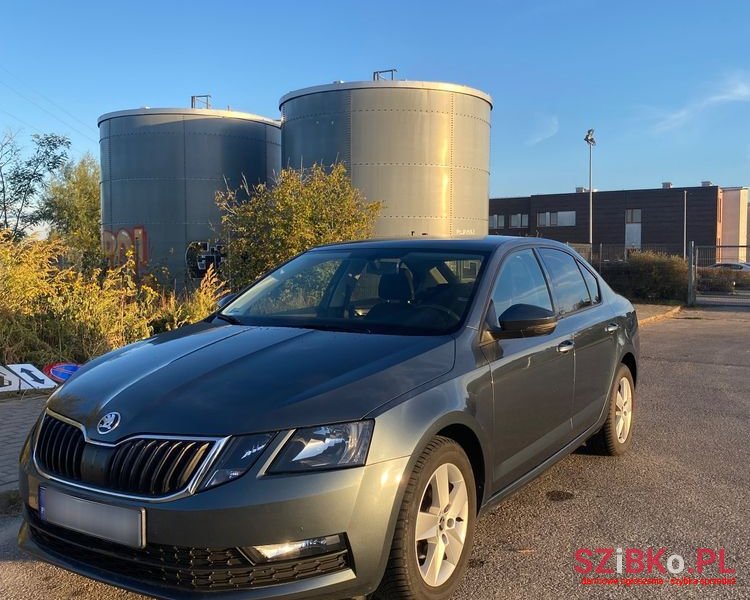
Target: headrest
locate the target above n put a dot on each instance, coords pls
(396, 286)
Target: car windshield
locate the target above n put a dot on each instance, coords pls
(372, 290)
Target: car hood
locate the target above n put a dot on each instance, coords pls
(210, 379)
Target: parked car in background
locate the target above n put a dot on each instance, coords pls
(733, 266)
(337, 428)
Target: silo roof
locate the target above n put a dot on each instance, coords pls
(204, 112)
(387, 83)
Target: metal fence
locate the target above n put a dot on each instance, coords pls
(602, 254)
(719, 276)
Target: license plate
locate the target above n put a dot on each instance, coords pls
(118, 524)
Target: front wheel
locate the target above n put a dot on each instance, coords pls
(435, 527)
(615, 436)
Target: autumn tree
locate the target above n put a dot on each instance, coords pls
(265, 225)
(71, 207)
(23, 178)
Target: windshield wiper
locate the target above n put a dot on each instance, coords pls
(228, 318)
(329, 327)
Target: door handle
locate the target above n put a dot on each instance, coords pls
(565, 346)
(611, 328)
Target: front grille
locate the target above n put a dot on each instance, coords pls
(59, 448)
(154, 466)
(138, 466)
(198, 569)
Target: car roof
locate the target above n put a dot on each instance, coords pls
(478, 244)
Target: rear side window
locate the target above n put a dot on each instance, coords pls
(520, 282)
(568, 285)
(591, 283)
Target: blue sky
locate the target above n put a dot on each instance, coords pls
(665, 83)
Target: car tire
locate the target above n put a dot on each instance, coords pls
(615, 437)
(442, 473)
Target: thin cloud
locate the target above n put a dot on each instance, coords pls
(733, 89)
(543, 128)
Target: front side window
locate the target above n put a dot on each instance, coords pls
(375, 290)
(567, 282)
(520, 281)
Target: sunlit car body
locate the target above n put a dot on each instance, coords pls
(276, 449)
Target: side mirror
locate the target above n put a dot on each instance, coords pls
(524, 320)
(224, 300)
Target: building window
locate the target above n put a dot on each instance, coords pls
(497, 221)
(565, 218)
(544, 219)
(519, 220)
(633, 215)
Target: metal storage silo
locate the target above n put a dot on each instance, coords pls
(422, 148)
(161, 168)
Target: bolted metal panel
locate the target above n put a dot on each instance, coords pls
(316, 129)
(161, 169)
(421, 148)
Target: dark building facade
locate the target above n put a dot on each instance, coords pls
(648, 218)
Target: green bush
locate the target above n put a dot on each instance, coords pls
(266, 225)
(648, 276)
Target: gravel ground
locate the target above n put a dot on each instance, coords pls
(685, 484)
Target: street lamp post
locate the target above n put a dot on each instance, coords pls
(589, 139)
(684, 224)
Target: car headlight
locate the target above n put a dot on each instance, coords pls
(236, 459)
(325, 447)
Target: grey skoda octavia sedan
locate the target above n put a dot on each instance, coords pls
(336, 429)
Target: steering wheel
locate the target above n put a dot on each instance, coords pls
(442, 309)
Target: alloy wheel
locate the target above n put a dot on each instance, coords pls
(442, 525)
(623, 409)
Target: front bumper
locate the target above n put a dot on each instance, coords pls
(361, 503)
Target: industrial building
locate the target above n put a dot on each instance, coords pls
(161, 169)
(665, 219)
(420, 148)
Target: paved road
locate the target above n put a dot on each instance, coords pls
(685, 484)
(17, 415)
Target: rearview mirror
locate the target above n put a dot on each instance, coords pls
(524, 320)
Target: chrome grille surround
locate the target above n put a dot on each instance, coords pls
(214, 447)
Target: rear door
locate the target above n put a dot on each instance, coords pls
(583, 315)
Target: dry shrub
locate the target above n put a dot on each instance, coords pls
(49, 313)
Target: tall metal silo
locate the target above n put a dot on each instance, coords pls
(161, 168)
(422, 148)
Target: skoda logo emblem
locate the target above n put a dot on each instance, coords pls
(108, 422)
